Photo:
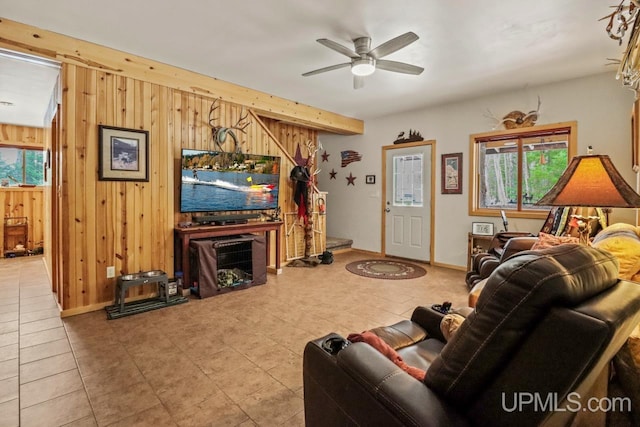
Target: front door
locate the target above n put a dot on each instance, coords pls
(408, 200)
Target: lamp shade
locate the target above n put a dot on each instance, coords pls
(591, 181)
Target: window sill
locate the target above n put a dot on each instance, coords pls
(541, 214)
(16, 188)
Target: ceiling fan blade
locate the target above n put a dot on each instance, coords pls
(358, 82)
(325, 69)
(338, 48)
(398, 67)
(393, 45)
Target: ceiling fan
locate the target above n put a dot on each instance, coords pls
(364, 60)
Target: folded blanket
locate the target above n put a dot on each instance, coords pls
(376, 342)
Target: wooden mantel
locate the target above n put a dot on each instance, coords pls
(28, 39)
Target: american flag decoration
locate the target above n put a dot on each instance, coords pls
(350, 156)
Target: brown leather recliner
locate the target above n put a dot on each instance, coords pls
(501, 247)
(546, 326)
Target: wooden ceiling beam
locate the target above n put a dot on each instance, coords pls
(28, 39)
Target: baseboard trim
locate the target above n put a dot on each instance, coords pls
(84, 309)
(340, 250)
(101, 305)
(450, 266)
(363, 251)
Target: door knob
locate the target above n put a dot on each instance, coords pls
(387, 210)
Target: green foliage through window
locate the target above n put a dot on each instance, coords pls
(21, 166)
(512, 171)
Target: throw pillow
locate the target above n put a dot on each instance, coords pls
(547, 240)
(449, 325)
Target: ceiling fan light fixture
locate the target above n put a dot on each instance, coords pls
(363, 67)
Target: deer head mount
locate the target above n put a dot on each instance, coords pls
(516, 119)
(220, 133)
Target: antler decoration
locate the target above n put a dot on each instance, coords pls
(629, 66)
(220, 133)
(621, 20)
(312, 156)
(516, 119)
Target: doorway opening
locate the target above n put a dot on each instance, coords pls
(30, 95)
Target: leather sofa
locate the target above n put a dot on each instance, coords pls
(547, 324)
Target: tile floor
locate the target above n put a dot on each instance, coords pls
(232, 360)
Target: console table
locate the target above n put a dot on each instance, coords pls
(184, 235)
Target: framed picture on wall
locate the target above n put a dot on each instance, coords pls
(123, 154)
(451, 173)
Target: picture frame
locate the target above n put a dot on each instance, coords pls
(370, 179)
(451, 173)
(482, 228)
(123, 154)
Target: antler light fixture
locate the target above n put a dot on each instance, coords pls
(622, 19)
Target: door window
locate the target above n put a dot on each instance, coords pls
(407, 180)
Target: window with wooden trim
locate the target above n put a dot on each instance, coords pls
(21, 166)
(511, 170)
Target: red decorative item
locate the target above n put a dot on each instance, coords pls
(301, 180)
(574, 222)
(302, 208)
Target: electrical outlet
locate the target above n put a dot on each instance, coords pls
(111, 272)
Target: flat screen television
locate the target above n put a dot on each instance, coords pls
(215, 181)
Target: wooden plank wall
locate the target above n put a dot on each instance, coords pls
(293, 137)
(130, 224)
(15, 201)
(21, 136)
(36, 41)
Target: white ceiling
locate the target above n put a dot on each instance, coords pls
(468, 48)
(26, 88)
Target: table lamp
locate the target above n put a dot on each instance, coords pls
(590, 181)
